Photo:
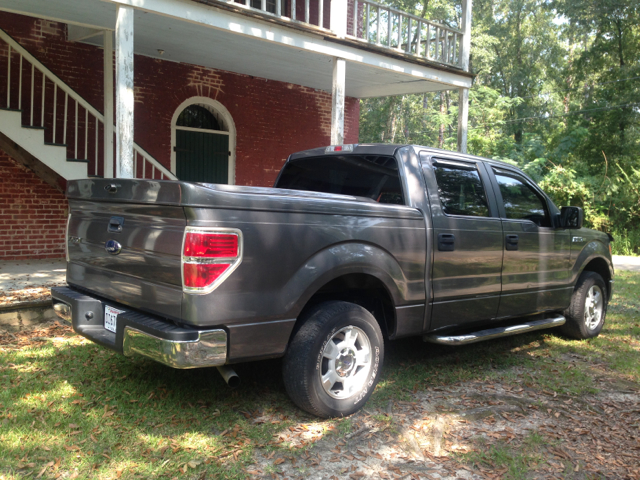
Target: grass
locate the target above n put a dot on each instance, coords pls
(69, 408)
(627, 242)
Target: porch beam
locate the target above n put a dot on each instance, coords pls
(124, 92)
(463, 117)
(337, 101)
(108, 102)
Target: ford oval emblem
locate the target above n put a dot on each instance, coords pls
(112, 247)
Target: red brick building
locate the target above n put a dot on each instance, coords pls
(206, 90)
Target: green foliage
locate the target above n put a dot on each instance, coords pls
(557, 92)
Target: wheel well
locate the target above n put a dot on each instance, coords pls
(599, 266)
(361, 289)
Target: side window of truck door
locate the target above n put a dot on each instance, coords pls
(461, 191)
(521, 202)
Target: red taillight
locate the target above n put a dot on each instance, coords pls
(210, 245)
(201, 275)
(208, 257)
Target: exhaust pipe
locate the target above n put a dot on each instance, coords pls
(230, 376)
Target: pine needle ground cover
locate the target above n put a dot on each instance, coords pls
(529, 406)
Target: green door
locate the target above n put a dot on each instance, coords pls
(202, 157)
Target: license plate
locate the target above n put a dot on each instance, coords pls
(111, 318)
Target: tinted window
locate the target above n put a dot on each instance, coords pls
(461, 191)
(370, 176)
(521, 201)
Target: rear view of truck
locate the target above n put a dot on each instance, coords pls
(316, 270)
(127, 272)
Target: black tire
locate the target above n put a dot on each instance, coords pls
(305, 361)
(581, 322)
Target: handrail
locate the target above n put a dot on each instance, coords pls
(279, 11)
(400, 31)
(405, 32)
(138, 150)
(52, 76)
(69, 93)
(412, 16)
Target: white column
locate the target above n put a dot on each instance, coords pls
(463, 117)
(338, 18)
(337, 101)
(108, 103)
(124, 92)
(466, 37)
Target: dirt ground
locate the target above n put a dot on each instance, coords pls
(557, 436)
(473, 430)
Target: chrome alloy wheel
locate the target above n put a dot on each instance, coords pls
(593, 307)
(346, 362)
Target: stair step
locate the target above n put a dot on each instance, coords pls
(10, 109)
(78, 160)
(50, 144)
(498, 332)
(35, 127)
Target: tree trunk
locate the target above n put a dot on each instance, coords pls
(619, 27)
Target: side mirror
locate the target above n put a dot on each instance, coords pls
(571, 217)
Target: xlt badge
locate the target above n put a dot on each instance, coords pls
(112, 247)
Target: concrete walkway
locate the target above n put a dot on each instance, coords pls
(17, 275)
(631, 264)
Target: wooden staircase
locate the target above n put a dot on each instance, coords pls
(52, 123)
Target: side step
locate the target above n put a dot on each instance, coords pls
(492, 333)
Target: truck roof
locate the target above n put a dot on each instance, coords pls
(390, 149)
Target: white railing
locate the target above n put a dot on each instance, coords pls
(68, 119)
(372, 23)
(311, 12)
(392, 28)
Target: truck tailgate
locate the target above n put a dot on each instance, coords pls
(127, 249)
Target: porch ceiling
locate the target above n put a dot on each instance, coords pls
(192, 33)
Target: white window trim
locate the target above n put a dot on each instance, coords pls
(228, 122)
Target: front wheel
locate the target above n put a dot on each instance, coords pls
(585, 316)
(333, 362)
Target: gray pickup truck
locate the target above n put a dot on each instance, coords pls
(353, 245)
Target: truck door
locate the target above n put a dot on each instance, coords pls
(535, 269)
(467, 243)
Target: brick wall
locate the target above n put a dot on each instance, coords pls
(33, 215)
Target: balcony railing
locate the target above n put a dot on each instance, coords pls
(373, 23)
(392, 28)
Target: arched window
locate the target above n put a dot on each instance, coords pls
(196, 116)
(203, 142)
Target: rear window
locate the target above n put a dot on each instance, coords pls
(370, 176)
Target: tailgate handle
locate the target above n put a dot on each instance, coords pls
(115, 224)
(446, 242)
(111, 187)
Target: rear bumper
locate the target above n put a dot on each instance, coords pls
(141, 334)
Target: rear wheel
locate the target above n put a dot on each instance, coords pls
(585, 316)
(333, 362)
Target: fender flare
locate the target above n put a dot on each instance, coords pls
(343, 259)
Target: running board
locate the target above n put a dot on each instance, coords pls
(492, 333)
